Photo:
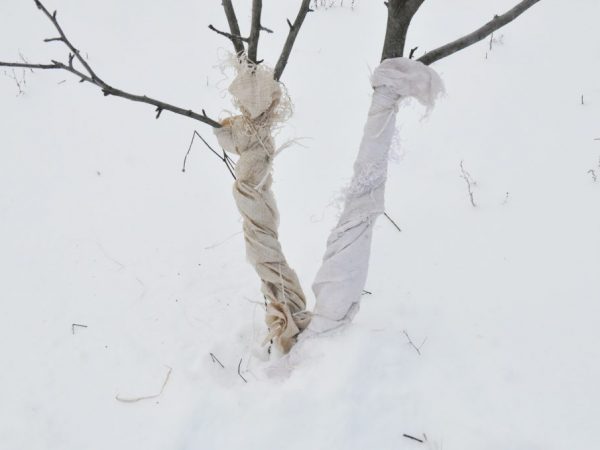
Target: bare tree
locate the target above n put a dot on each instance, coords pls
(287, 316)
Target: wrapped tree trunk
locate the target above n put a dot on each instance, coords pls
(263, 105)
(341, 279)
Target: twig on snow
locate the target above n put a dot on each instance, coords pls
(147, 397)
(470, 183)
(408, 436)
(77, 325)
(215, 359)
(240, 371)
(412, 344)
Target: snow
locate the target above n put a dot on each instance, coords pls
(99, 227)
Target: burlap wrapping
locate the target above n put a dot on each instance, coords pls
(250, 136)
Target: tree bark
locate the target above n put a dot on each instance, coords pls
(400, 14)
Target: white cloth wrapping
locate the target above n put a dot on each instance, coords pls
(341, 279)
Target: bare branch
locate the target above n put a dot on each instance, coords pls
(254, 30)
(90, 76)
(52, 18)
(231, 37)
(477, 35)
(289, 43)
(29, 66)
(234, 27)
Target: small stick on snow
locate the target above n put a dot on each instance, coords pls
(76, 325)
(412, 344)
(240, 371)
(593, 173)
(147, 397)
(365, 292)
(215, 359)
(392, 221)
(408, 436)
(470, 183)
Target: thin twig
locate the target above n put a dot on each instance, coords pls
(392, 221)
(234, 27)
(240, 371)
(88, 75)
(77, 325)
(225, 158)
(215, 359)
(20, 82)
(24, 60)
(413, 438)
(470, 183)
(147, 397)
(593, 173)
(231, 37)
(217, 244)
(365, 292)
(292, 35)
(412, 344)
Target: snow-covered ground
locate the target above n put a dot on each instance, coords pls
(99, 227)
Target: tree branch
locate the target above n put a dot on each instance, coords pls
(94, 79)
(234, 26)
(255, 28)
(231, 37)
(63, 38)
(29, 66)
(289, 43)
(477, 35)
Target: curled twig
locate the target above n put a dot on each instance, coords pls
(147, 397)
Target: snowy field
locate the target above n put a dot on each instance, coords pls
(100, 227)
